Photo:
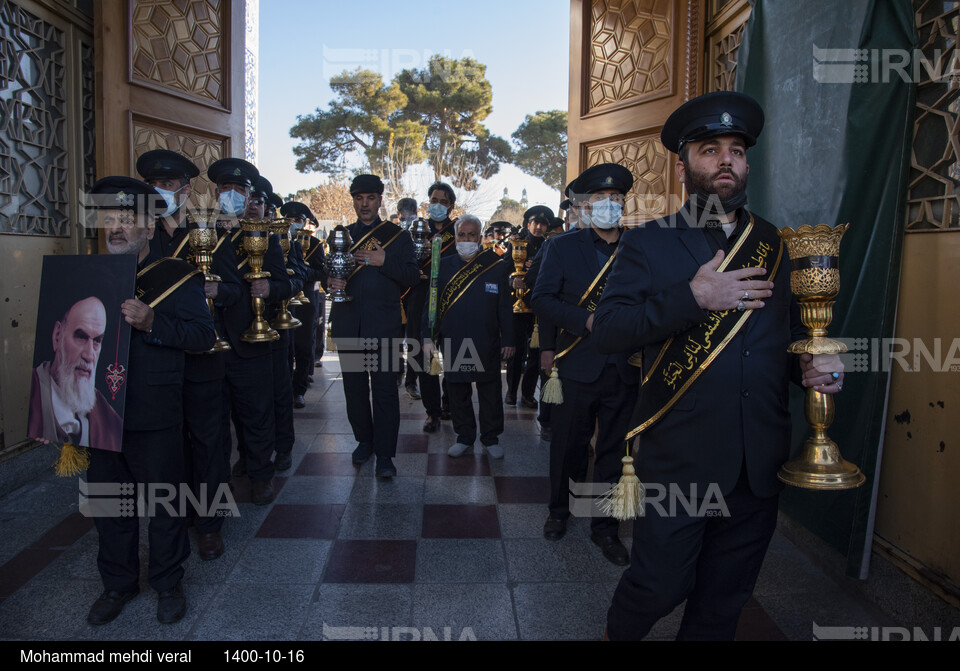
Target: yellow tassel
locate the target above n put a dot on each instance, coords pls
(435, 366)
(73, 460)
(331, 346)
(535, 336)
(623, 500)
(552, 391)
(403, 315)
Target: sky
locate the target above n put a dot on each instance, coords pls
(523, 43)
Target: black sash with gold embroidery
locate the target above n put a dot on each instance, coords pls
(566, 341)
(685, 356)
(161, 278)
(238, 248)
(367, 243)
(461, 281)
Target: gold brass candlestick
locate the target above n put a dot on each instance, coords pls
(303, 237)
(284, 320)
(815, 281)
(256, 238)
(203, 241)
(519, 255)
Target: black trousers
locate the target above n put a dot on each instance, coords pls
(207, 455)
(283, 394)
(524, 367)
(711, 561)
(491, 411)
(608, 402)
(248, 391)
(545, 408)
(304, 343)
(379, 424)
(148, 457)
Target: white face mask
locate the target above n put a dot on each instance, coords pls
(438, 211)
(232, 203)
(170, 198)
(605, 214)
(467, 249)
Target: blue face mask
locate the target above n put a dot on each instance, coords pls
(438, 211)
(170, 198)
(605, 215)
(232, 203)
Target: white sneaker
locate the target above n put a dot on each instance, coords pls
(459, 449)
(494, 450)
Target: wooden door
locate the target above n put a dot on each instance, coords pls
(632, 62)
(170, 75)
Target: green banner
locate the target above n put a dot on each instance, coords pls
(835, 149)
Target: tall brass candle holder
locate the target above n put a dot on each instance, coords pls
(303, 237)
(203, 241)
(815, 281)
(256, 238)
(519, 255)
(284, 319)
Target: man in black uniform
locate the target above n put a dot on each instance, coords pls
(386, 267)
(598, 389)
(523, 371)
(474, 319)
(249, 366)
(169, 315)
(442, 201)
(309, 315)
(705, 293)
(280, 349)
(208, 463)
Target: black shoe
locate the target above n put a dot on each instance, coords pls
(528, 402)
(240, 468)
(318, 363)
(263, 492)
(510, 399)
(310, 379)
(385, 467)
(613, 549)
(171, 605)
(299, 401)
(546, 434)
(445, 413)
(554, 528)
(431, 424)
(412, 392)
(209, 546)
(108, 606)
(362, 454)
(282, 461)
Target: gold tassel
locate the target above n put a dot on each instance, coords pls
(73, 460)
(552, 391)
(331, 345)
(535, 336)
(435, 366)
(403, 315)
(623, 500)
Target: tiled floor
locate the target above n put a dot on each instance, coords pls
(450, 547)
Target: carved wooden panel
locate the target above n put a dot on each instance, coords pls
(630, 53)
(650, 164)
(179, 45)
(34, 165)
(199, 148)
(723, 59)
(933, 196)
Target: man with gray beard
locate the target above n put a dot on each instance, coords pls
(65, 406)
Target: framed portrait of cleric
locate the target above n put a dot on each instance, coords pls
(78, 385)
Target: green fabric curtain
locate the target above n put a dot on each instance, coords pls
(835, 151)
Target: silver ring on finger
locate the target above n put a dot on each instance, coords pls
(741, 307)
(746, 296)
